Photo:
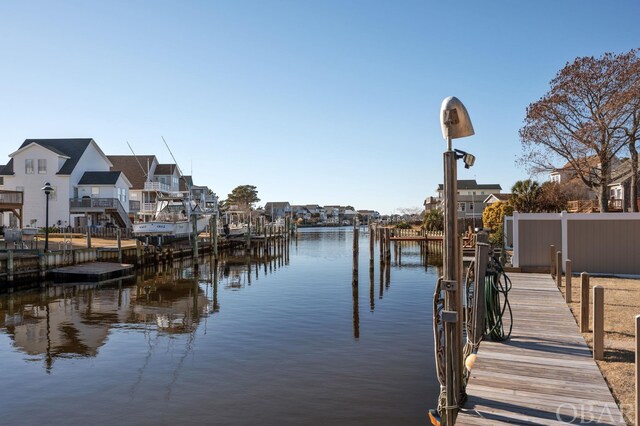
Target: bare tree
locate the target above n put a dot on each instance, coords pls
(629, 100)
(578, 122)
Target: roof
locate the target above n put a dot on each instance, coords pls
(100, 178)
(472, 184)
(165, 169)
(72, 148)
(130, 166)
(276, 205)
(7, 169)
(499, 197)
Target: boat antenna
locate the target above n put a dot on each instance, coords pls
(174, 158)
(138, 161)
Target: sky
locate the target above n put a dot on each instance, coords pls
(313, 102)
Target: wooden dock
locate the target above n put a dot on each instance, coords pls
(91, 272)
(545, 374)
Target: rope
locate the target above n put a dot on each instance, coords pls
(496, 295)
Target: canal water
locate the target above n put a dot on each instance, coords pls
(284, 339)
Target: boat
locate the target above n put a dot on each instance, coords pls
(171, 221)
(235, 227)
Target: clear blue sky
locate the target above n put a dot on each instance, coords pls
(328, 102)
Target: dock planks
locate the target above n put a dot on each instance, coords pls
(545, 374)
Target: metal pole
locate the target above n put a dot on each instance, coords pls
(453, 294)
(46, 223)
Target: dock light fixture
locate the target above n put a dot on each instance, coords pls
(48, 189)
(455, 123)
(468, 159)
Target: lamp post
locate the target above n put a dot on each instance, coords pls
(48, 189)
(455, 124)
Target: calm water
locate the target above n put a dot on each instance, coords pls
(288, 341)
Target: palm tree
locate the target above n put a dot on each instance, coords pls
(524, 196)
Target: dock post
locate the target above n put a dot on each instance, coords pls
(567, 281)
(637, 408)
(552, 261)
(381, 243)
(584, 302)
(10, 265)
(559, 269)
(119, 242)
(371, 244)
(138, 253)
(598, 323)
(215, 238)
(88, 237)
(42, 264)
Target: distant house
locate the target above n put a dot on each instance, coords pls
(471, 197)
(368, 215)
(494, 198)
(85, 190)
(277, 209)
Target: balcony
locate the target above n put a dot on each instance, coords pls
(592, 206)
(147, 208)
(157, 186)
(11, 199)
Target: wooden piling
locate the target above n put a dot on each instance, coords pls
(584, 302)
(10, 265)
(88, 237)
(559, 269)
(119, 244)
(138, 253)
(567, 281)
(552, 261)
(598, 323)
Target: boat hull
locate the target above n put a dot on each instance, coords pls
(158, 233)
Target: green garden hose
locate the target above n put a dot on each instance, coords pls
(496, 295)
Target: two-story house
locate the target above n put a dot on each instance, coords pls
(277, 209)
(471, 197)
(85, 190)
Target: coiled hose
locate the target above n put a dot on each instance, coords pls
(496, 296)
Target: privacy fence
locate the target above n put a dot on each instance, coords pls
(598, 243)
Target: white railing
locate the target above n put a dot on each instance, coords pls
(157, 186)
(147, 207)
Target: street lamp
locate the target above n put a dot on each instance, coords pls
(48, 189)
(455, 124)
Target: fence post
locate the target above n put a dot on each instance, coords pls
(567, 281)
(637, 410)
(584, 302)
(552, 261)
(598, 323)
(559, 269)
(119, 243)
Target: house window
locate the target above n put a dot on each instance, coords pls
(481, 192)
(461, 207)
(95, 191)
(53, 195)
(470, 206)
(28, 166)
(42, 166)
(1, 183)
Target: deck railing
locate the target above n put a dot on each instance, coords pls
(11, 197)
(593, 206)
(157, 186)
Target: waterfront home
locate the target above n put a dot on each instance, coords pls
(85, 192)
(494, 198)
(277, 209)
(471, 197)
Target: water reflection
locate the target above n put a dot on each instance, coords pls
(74, 320)
(230, 343)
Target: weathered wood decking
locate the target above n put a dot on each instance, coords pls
(545, 374)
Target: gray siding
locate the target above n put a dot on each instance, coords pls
(534, 239)
(604, 246)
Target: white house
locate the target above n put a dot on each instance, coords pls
(64, 164)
